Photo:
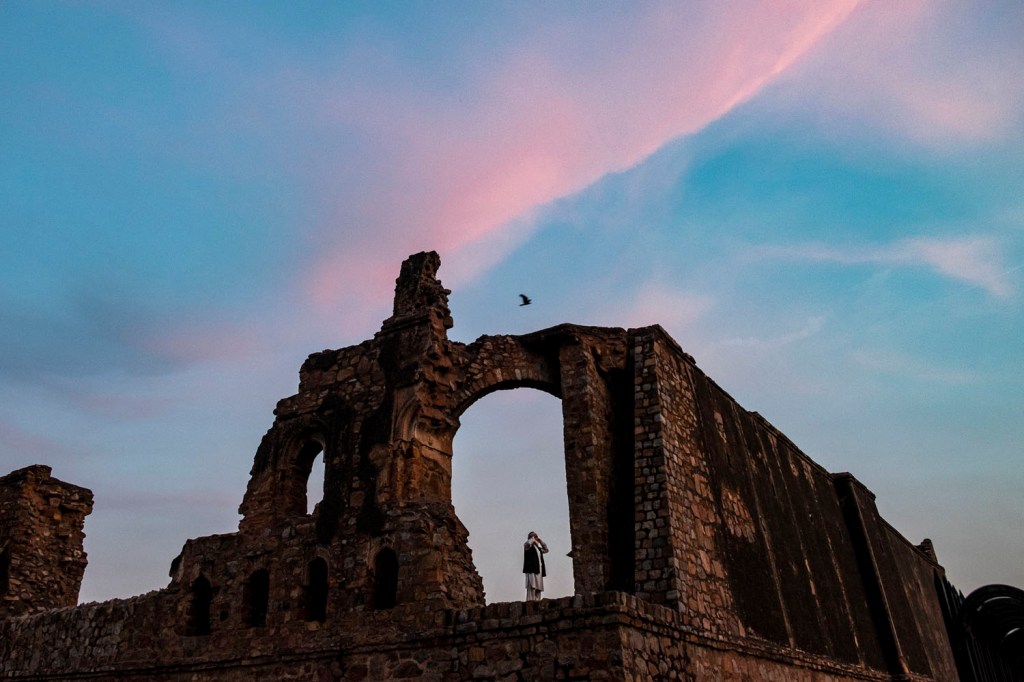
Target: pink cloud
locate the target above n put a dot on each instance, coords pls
(544, 125)
(674, 310)
(156, 500)
(25, 446)
(121, 407)
(205, 342)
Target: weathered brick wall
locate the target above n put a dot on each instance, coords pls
(41, 536)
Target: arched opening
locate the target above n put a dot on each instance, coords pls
(385, 579)
(5, 571)
(304, 488)
(256, 598)
(315, 482)
(316, 590)
(199, 608)
(508, 478)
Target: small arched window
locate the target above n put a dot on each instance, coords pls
(256, 598)
(199, 608)
(5, 571)
(315, 482)
(385, 579)
(316, 591)
(305, 486)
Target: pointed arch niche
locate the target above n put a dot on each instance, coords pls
(508, 478)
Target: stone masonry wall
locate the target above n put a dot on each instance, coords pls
(767, 549)
(603, 637)
(705, 544)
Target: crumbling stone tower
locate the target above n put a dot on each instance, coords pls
(41, 555)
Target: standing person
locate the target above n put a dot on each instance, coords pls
(534, 550)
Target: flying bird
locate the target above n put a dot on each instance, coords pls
(526, 300)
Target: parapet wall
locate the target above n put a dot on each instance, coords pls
(607, 636)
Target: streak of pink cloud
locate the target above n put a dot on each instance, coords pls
(17, 444)
(121, 407)
(206, 342)
(547, 125)
(676, 311)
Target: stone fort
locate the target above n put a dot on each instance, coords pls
(706, 545)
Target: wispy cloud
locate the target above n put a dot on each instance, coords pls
(890, 362)
(977, 261)
(936, 73)
(811, 327)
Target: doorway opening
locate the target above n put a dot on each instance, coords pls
(256, 598)
(198, 623)
(316, 591)
(385, 579)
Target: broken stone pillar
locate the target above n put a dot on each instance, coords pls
(41, 555)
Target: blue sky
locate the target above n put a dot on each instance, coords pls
(823, 205)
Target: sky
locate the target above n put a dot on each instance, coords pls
(822, 202)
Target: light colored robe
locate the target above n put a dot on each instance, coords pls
(535, 581)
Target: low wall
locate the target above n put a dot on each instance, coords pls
(608, 636)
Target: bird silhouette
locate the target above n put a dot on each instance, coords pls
(526, 300)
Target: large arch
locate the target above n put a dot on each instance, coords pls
(508, 478)
(995, 614)
(593, 377)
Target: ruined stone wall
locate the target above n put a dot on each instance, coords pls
(901, 582)
(41, 536)
(920, 575)
(766, 547)
(705, 544)
(603, 637)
